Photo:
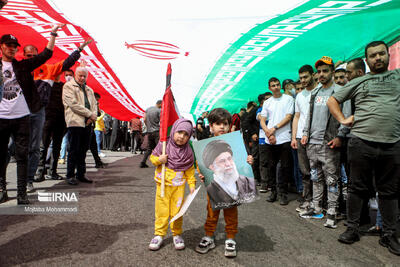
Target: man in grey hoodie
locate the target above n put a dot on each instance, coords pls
(322, 134)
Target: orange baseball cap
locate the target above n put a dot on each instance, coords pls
(324, 60)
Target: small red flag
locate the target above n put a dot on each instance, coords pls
(169, 110)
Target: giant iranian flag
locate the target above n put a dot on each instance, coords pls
(278, 47)
(223, 52)
(31, 22)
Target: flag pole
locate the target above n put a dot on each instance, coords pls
(165, 120)
(164, 145)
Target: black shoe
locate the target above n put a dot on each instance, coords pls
(272, 197)
(100, 164)
(23, 200)
(3, 196)
(263, 189)
(283, 200)
(372, 231)
(84, 180)
(72, 181)
(300, 199)
(54, 176)
(350, 236)
(143, 165)
(390, 242)
(39, 176)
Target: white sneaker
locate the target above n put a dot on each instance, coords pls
(331, 222)
(230, 248)
(178, 242)
(303, 207)
(102, 155)
(155, 243)
(30, 188)
(206, 244)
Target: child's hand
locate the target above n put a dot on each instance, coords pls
(250, 159)
(201, 176)
(191, 190)
(163, 158)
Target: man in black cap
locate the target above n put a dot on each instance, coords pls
(201, 130)
(289, 87)
(228, 188)
(3, 3)
(20, 98)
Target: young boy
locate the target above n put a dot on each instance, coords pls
(220, 122)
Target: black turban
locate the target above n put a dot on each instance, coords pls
(213, 150)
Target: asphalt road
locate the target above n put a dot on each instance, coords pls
(114, 226)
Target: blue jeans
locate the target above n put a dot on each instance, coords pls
(99, 138)
(36, 131)
(378, 222)
(64, 145)
(343, 174)
(298, 177)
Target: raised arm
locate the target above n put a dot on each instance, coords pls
(53, 35)
(74, 56)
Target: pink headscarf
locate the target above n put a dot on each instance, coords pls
(180, 158)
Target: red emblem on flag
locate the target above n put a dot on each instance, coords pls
(156, 49)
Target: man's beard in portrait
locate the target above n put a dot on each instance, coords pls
(228, 176)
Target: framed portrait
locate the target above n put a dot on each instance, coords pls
(229, 179)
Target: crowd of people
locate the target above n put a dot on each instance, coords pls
(331, 137)
(49, 116)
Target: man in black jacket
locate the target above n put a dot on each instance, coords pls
(107, 133)
(249, 124)
(54, 129)
(20, 98)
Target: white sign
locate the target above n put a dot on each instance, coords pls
(185, 205)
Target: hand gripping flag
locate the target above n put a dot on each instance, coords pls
(169, 114)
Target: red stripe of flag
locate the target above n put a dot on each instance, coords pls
(169, 111)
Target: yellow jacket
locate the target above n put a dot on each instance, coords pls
(100, 122)
(173, 178)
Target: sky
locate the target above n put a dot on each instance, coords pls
(203, 28)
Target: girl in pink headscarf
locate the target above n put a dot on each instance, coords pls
(179, 161)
